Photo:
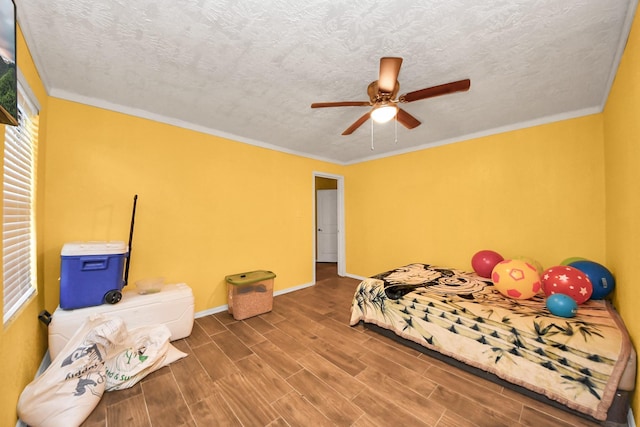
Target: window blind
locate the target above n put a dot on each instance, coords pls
(19, 194)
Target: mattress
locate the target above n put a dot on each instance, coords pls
(576, 361)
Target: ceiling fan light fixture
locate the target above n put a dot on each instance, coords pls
(384, 113)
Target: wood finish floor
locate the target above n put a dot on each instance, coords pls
(303, 365)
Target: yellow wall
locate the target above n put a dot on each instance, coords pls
(23, 341)
(536, 192)
(207, 207)
(622, 176)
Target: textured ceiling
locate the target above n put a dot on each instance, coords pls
(249, 70)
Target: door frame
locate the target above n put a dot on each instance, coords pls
(341, 234)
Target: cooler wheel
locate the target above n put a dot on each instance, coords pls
(112, 297)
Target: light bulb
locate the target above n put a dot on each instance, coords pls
(384, 113)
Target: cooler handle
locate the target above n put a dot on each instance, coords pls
(94, 263)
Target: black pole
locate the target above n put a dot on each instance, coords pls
(133, 218)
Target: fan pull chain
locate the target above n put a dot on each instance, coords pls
(372, 135)
(396, 128)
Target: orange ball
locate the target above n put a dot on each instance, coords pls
(516, 279)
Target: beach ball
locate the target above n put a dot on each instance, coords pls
(600, 277)
(567, 280)
(533, 262)
(569, 260)
(562, 305)
(484, 261)
(516, 279)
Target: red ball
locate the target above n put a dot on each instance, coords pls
(484, 261)
(563, 279)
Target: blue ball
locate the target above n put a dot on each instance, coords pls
(601, 278)
(562, 305)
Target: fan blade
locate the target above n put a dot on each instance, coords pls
(389, 70)
(356, 124)
(341, 104)
(430, 92)
(406, 119)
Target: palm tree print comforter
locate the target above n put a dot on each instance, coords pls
(576, 361)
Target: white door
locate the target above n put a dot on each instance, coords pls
(327, 225)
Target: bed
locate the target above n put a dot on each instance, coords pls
(576, 362)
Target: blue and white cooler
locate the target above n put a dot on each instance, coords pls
(91, 273)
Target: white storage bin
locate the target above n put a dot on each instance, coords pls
(172, 306)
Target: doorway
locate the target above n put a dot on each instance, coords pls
(329, 223)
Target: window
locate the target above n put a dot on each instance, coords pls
(19, 195)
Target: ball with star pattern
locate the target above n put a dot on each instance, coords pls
(567, 280)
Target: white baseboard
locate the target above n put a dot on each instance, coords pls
(295, 288)
(630, 420)
(353, 276)
(209, 311)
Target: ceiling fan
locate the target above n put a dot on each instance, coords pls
(382, 97)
